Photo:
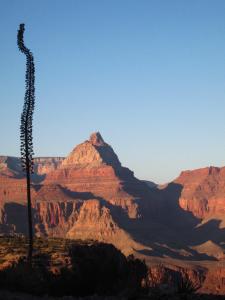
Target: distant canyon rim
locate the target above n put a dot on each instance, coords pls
(90, 195)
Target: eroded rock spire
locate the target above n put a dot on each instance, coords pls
(96, 139)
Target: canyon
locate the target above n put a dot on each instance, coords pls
(90, 195)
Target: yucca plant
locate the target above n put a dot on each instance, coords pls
(185, 285)
(26, 138)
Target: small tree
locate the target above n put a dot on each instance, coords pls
(26, 139)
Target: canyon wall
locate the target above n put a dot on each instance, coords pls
(90, 195)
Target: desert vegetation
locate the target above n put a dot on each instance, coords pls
(63, 267)
(26, 128)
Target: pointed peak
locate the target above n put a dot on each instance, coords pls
(91, 153)
(96, 139)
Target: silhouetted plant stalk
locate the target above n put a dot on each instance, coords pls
(26, 139)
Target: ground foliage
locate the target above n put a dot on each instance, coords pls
(88, 268)
(85, 268)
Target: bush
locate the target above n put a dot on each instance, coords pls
(100, 269)
(185, 285)
(21, 277)
(97, 268)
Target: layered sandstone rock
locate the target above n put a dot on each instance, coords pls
(13, 190)
(11, 166)
(92, 153)
(94, 167)
(203, 191)
(95, 222)
(45, 165)
(12, 178)
(215, 280)
(93, 188)
(90, 195)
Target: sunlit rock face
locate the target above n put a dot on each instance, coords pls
(92, 171)
(93, 167)
(45, 165)
(92, 153)
(203, 191)
(90, 195)
(12, 177)
(11, 166)
(87, 195)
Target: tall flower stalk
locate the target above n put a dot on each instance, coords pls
(26, 146)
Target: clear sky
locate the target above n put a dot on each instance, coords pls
(148, 74)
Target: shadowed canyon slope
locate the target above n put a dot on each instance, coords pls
(90, 195)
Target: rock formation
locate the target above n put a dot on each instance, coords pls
(90, 195)
(11, 166)
(45, 165)
(203, 191)
(94, 168)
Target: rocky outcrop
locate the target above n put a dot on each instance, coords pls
(90, 195)
(95, 222)
(205, 280)
(215, 280)
(92, 153)
(11, 166)
(13, 190)
(45, 165)
(94, 167)
(203, 191)
(93, 172)
(12, 178)
(55, 218)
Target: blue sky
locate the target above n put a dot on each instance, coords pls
(148, 74)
